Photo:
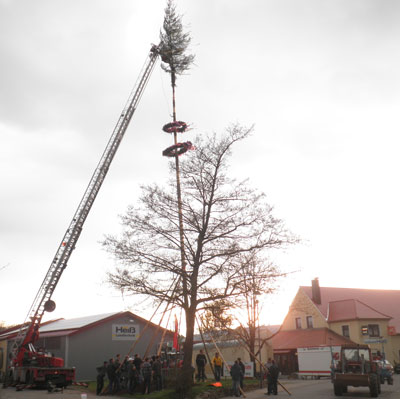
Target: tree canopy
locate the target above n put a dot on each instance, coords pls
(223, 219)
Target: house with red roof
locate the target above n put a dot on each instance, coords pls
(329, 316)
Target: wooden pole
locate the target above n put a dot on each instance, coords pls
(163, 336)
(154, 336)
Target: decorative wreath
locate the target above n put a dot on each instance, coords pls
(177, 149)
(175, 127)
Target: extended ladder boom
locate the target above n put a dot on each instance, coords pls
(28, 332)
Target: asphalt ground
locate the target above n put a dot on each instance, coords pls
(299, 389)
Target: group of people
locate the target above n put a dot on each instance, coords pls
(201, 361)
(237, 371)
(129, 374)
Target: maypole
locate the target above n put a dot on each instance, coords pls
(172, 50)
(173, 47)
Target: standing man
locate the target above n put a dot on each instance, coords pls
(101, 373)
(117, 366)
(111, 376)
(217, 363)
(243, 370)
(146, 371)
(273, 374)
(236, 374)
(124, 373)
(201, 362)
(157, 373)
(133, 377)
(137, 361)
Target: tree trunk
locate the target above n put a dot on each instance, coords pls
(185, 380)
(252, 344)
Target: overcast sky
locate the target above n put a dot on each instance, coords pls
(318, 79)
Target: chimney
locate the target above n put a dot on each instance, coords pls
(316, 292)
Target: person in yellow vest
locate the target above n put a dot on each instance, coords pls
(217, 363)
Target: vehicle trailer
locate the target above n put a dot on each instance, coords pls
(316, 362)
(356, 368)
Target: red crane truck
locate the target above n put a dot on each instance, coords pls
(28, 366)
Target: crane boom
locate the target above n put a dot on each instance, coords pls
(29, 330)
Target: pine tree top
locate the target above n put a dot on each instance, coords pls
(174, 43)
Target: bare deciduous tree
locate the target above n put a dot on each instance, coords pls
(259, 279)
(222, 219)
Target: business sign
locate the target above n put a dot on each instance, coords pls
(248, 369)
(375, 341)
(124, 332)
(391, 330)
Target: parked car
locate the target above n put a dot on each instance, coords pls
(386, 371)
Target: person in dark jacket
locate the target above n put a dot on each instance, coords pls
(157, 373)
(133, 377)
(273, 374)
(236, 373)
(101, 373)
(146, 371)
(243, 369)
(137, 361)
(117, 366)
(201, 362)
(124, 373)
(111, 376)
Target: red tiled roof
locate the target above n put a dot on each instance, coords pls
(293, 339)
(385, 302)
(351, 309)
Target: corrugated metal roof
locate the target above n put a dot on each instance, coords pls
(68, 324)
(60, 333)
(13, 331)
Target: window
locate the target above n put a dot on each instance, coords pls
(309, 322)
(298, 323)
(346, 331)
(373, 330)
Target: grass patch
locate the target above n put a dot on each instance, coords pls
(197, 389)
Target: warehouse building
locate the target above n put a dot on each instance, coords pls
(86, 342)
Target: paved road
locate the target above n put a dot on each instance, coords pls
(11, 393)
(300, 389)
(322, 389)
